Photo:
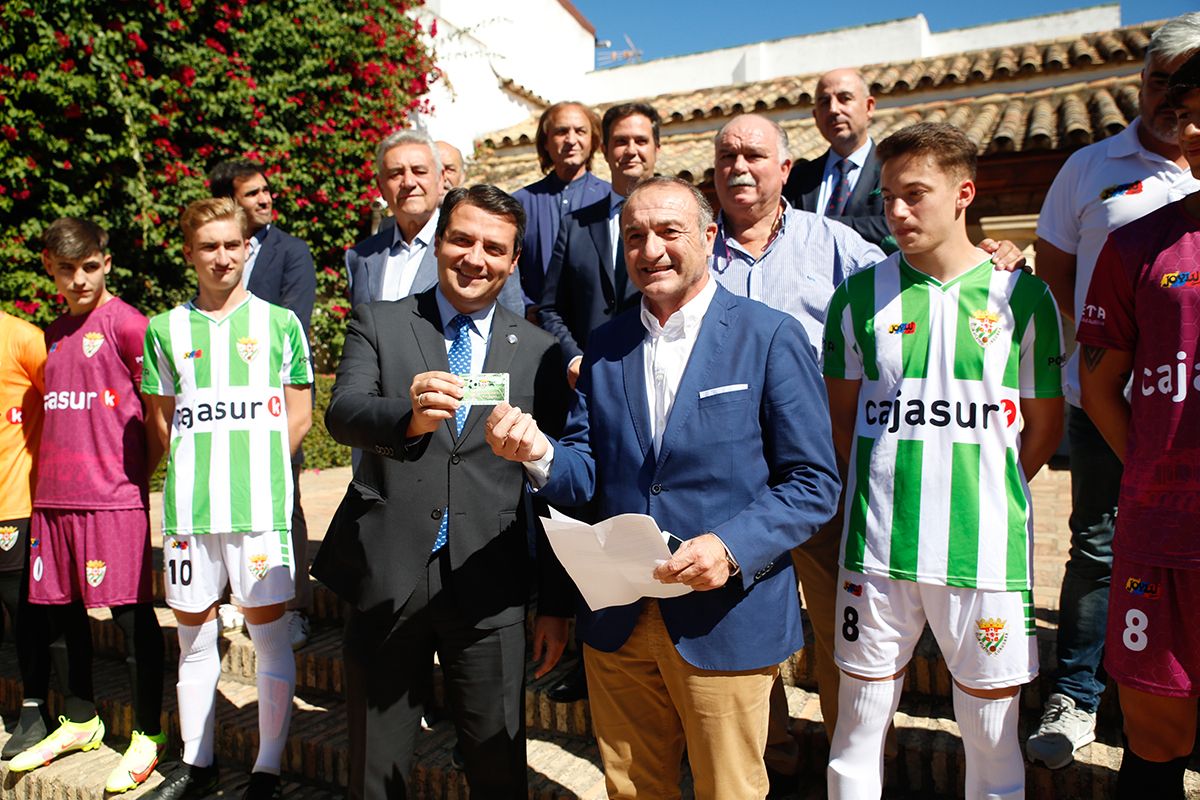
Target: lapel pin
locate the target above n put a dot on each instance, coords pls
(512, 338)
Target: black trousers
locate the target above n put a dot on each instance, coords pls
(388, 663)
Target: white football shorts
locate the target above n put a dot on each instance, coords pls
(257, 566)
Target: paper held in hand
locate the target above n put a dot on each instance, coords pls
(612, 562)
(485, 388)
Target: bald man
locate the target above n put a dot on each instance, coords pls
(453, 172)
(843, 183)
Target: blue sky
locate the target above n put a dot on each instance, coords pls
(663, 28)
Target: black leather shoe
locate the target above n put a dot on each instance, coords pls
(263, 786)
(572, 688)
(31, 729)
(187, 783)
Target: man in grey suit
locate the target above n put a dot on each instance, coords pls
(843, 183)
(279, 269)
(399, 260)
(431, 544)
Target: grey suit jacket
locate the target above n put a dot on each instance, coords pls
(367, 260)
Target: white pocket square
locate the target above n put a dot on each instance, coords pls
(733, 387)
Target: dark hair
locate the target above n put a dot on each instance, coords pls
(487, 198)
(618, 113)
(948, 146)
(704, 212)
(74, 238)
(543, 133)
(1184, 80)
(223, 176)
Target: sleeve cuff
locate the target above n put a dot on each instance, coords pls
(538, 471)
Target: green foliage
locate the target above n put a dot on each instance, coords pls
(328, 330)
(116, 109)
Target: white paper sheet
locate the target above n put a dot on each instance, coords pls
(613, 561)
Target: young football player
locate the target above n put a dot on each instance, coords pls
(1145, 320)
(90, 531)
(944, 389)
(227, 382)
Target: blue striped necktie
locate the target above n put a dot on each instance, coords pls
(460, 364)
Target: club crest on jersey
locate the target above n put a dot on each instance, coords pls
(8, 537)
(984, 325)
(95, 572)
(258, 566)
(991, 635)
(247, 348)
(91, 343)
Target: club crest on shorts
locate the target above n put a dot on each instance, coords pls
(91, 343)
(95, 572)
(984, 325)
(247, 348)
(8, 537)
(258, 566)
(991, 635)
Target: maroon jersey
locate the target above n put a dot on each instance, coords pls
(93, 449)
(1145, 299)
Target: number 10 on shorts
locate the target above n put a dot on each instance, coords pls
(179, 563)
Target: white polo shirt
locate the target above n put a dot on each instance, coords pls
(1100, 188)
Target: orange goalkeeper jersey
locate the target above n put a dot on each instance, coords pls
(22, 362)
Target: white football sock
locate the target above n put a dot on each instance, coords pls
(865, 710)
(199, 671)
(276, 686)
(995, 769)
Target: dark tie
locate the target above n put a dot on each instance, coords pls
(841, 189)
(460, 364)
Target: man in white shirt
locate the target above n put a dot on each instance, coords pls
(1100, 188)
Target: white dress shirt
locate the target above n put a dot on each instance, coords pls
(857, 158)
(404, 259)
(252, 251)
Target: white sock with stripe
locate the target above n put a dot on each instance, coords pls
(276, 675)
(199, 671)
(995, 768)
(865, 711)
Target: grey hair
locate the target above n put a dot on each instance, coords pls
(406, 136)
(785, 153)
(1176, 38)
(705, 213)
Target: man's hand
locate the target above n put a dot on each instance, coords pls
(1006, 256)
(573, 370)
(549, 640)
(515, 435)
(434, 397)
(700, 563)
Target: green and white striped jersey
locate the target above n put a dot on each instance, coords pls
(229, 469)
(935, 492)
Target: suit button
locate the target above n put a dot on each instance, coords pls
(454, 459)
(436, 513)
(656, 489)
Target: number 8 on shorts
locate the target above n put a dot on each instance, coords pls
(1134, 636)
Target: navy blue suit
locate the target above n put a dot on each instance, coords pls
(585, 285)
(755, 465)
(284, 274)
(864, 209)
(545, 205)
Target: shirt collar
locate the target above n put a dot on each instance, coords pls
(858, 157)
(728, 242)
(261, 235)
(1126, 143)
(481, 320)
(685, 322)
(424, 236)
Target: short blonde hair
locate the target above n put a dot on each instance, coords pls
(201, 212)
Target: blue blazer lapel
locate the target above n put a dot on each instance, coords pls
(714, 332)
(633, 367)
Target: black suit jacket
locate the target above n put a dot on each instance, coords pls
(864, 209)
(284, 274)
(584, 288)
(380, 538)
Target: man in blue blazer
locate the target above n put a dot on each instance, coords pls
(702, 410)
(279, 269)
(399, 260)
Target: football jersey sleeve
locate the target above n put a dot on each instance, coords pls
(131, 337)
(841, 354)
(297, 362)
(32, 359)
(1107, 320)
(158, 371)
(1041, 356)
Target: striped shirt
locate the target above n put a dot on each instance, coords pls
(229, 467)
(935, 492)
(798, 270)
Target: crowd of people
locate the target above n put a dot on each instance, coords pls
(827, 393)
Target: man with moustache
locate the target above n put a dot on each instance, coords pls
(568, 135)
(843, 183)
(1100, 188)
